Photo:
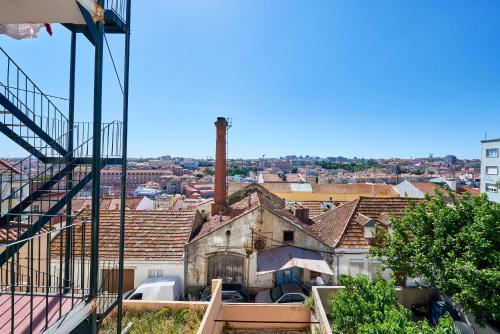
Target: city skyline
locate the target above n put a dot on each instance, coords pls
(334, 78)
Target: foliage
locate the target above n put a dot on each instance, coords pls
(165, 321)
(236, 170)
(203, 163)
(208, 171)
(363, 307)
(349, 167)
(455, 248)
(310, 303)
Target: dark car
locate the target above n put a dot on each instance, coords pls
(287, 293)
(231, 293)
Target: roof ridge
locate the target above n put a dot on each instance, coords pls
(357, 200)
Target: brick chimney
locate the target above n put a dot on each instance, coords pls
(220, 166)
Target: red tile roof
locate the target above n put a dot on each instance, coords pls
(107, 203)
(463, 189)
(342, 226)
(149, 235)
(11, 232)
(246, 200)
(362, 189)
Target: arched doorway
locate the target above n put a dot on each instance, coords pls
(228, 267)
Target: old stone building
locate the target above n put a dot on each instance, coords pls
(244, 243)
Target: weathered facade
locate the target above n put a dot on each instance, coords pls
(227, 244)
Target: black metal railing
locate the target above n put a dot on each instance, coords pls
(50, 276)
(39, 185)
(119, 7)
(36, 108)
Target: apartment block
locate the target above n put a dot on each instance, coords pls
(490, 166)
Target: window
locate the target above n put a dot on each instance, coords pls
(369, 231)
(288, 236)
(296, 298)
(137, 296)
(492, 152)
(285, 299)
(357, 267)
(490, 187)
(155, 272)
(491, 170)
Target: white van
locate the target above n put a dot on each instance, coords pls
(157, 288)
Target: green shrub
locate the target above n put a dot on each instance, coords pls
(363, 307)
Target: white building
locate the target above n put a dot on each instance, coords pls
(490, 166)
(154, 245)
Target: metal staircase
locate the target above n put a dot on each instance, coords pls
(28, 116)
(46, 283)
(43, 186)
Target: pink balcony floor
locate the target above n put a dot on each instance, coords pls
(22, 310)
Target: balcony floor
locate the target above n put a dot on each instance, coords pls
(22, 311)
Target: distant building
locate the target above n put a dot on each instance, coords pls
(191, 165)
(450, 159)
(490, 165)
(171, 184)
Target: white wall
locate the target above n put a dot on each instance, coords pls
(141, 270)
(407, 189)
(344, 256)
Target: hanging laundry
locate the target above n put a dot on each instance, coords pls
(25, 30)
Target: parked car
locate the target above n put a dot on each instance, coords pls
(231, 293)
(157, 288)
(287, 293)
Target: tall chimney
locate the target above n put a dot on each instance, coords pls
(220, 166)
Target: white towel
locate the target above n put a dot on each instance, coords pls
(21, 31)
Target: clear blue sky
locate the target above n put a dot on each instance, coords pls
(327, 78)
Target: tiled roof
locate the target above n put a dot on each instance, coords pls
(276, 187)
(315, 207)
(332, 224)
(427, 187)
(463, 189)
(248, 199)
(342, 226)
(360, 189)
(374, 207)
(11, 232)
(5, 166)
(268, 177)
(106, 203)
(149, 235)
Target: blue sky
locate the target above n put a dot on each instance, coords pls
(353, 78)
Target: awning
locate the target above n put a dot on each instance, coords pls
(48, 11)
(284, 257)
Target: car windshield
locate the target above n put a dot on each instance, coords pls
(276, 293)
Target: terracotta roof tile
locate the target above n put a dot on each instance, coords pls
(360, 189)
(149, 235)
(248, 199)
(11, 232)
(342, 226)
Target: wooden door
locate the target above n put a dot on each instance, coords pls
(110, 280)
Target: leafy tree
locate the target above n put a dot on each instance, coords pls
(363, 307)
(349, 167)
(454, 247)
